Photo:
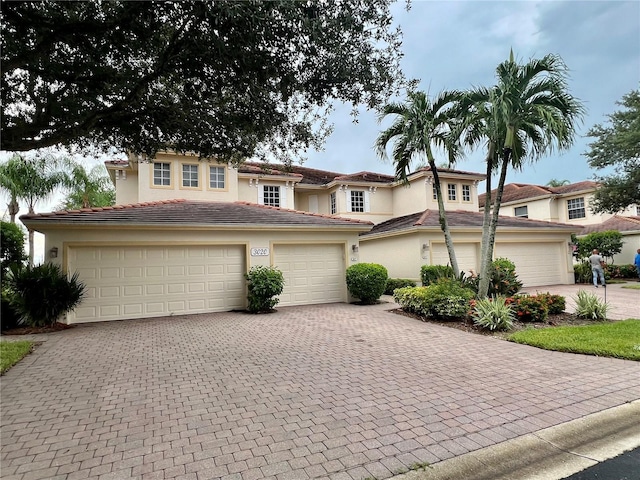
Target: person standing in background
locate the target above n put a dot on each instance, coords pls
(597, 268)
(636, 262)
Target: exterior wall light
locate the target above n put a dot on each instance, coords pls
(53, 253)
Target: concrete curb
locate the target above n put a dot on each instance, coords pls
(549, 454)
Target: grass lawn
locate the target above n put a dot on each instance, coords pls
(614, 339)
(633, 287)
(12, 352)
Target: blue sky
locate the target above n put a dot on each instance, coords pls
(458, 44)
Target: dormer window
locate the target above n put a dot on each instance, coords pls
(358, 201)
(466, 193)
(575, 208)
(162, 174)
(190, 176)
(435, 191)
(333, 207)
(452, 191)
(522, 212)
(270, 195)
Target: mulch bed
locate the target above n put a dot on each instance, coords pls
(58, 327)
(466, 324)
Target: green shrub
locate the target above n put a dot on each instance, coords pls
(11, 246)
(432, 273)
(446, 299)
(589, 306)
(8, 317)
(504, 281)
(620, 271)
(264, 284)
(40, 295)
(582, 272)
(555, 303)
(493, 313)
(367, 281)
(530, 308)
(393, 283)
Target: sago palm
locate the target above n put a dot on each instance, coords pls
(419, 126)
(528, 114)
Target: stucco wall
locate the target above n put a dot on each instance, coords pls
(148, 192)
(400, 255)
(127, 189)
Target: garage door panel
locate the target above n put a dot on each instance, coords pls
(466, 255)
(537, 264)
(313, 273)
(132, 282)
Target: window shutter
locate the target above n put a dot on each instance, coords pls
(260, 194)
(283, 197)
(367, 204)
(348, 192)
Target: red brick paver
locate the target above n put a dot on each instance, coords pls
(333, 391)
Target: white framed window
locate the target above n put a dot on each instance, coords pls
(452, 191)
(333, 206)
(575, 208)
(466, 193)
(637, 210)
(522, 212)
(190, 175)
(216, 177)
(161, 174)
(358, 201)
(272, 195)
(435, 191)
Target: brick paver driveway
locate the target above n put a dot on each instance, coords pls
(336, 391)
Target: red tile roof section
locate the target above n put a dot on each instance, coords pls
(183, 212)
(617, 222)
(514, 192)
(461, 218)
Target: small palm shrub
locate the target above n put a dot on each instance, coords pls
(445, 299)
(264, 284)
(555, 303)
(367, 281)
(582, 272)
(393, 283)
(590, 306)
(432, 273)
(530, 308)
(40, 295)
(504, 280)
(493, 314)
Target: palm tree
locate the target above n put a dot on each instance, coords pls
(29, 179)
(554, 182)
(421, 124)
(87, 189)
(529, 113)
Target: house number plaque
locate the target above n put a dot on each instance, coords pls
(259, 252)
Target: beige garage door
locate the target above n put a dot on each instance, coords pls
(537, 264)
(466, 255)
(312, 273)
(150, 281)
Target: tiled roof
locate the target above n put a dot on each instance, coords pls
(310, 176)
(449, 170)
(617, 222)
(366, 177)
(460, 219)
(514, 192)
(183, 212)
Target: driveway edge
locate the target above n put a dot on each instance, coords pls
(553, 453)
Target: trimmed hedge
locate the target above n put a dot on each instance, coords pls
(432, 273)
(393, 283)
(445, 299)
(367, 281)
(264, 284)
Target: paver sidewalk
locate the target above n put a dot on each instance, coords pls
(334, 391)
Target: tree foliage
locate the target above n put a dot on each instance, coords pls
(218, 78)
(30, 179)
(609, 244)
(87, 189)
(11, 246)
(617, 145)
(528, 114)
(420, 125)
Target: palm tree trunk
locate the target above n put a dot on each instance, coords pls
(491, 233)
(14, 208)
(444, 225)
(485, 258)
